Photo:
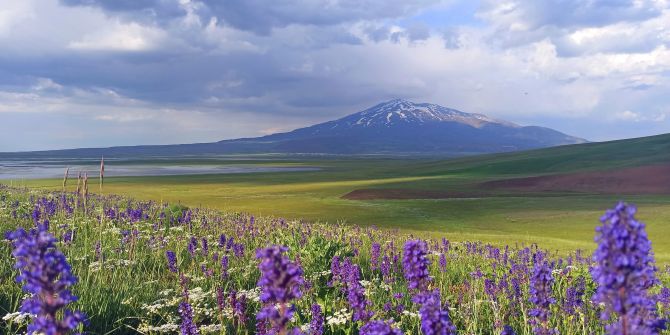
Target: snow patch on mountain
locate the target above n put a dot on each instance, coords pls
(399, 111)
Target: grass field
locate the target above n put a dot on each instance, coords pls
(560, 221)
(141, 265)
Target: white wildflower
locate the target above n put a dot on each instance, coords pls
(17, 317)
(208, 329)
(166, 328)
(411, 314)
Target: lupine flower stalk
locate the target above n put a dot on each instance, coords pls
(374, 255)
(541, 297)
(378, 327)
(624, 271)
(47, 277)
(281, 282)
(171, 261)
(415, 265)
(435, 319)
(188, 327)
(316, 325)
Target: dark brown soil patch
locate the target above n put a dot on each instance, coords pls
(650, 179)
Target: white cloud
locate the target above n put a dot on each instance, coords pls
(628, 115)
(120, 37)
(13, 13)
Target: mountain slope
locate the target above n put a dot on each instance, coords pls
(587, 157)
(393, 127)
(401, 126)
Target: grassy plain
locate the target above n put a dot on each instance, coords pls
(558, 221)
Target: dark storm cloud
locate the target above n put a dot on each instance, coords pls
(260, 16)
(161, 11)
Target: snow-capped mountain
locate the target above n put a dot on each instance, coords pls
(404, 127)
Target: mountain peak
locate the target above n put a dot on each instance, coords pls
(402, 111)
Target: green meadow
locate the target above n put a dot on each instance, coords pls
(556, 220)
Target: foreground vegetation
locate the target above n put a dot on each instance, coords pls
(138, 263)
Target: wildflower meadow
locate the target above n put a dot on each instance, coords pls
(91, 264)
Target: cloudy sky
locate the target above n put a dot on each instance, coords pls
(77, 73)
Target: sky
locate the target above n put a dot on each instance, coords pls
(91, 73)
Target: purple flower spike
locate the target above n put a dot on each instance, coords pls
(624, 271)
(374, 255)
(435, 319)
(224, 267)
(443, 262)
(541, 296)
(187, 325)
(378, 327)
(172, 261)
(415, 265)
(281, 282)
(47, 276)
(316, 325)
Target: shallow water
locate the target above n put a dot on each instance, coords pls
(17, 170)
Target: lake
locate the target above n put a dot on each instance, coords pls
(17, 170)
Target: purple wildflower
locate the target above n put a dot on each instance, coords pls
(46, 275)
(385, 268)
(220, 299)
(205, 246)
(434, 318)
(238, 249)
(224, 267)
(316, 325)
(356, 292)
(125, 237)
(541, 296)
(239, 306)
(624, 271)
(443, 262)
(507, 330)
(67, 236)
(187, 325)
(335, 271)
(281, 282)
(374, 255)
(192, 245)
(664, 296)
(378, 327)
(491, 289)
(171, 261)
(574, 297)
(415, 265)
